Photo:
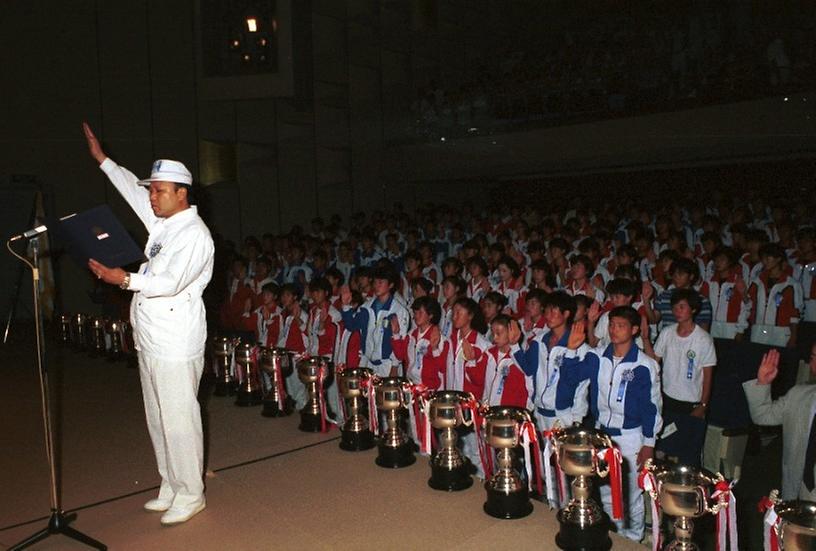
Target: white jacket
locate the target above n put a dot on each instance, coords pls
(167, 312)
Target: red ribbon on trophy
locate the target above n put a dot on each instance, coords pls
(373, 416)
(647, 482)
(726, 516)
(613, 458)
(418, 412)
(485, 455)
(532, 446)
(556, 480)
(321, 396)
(770, 524)
(473, 406)
(338, 370)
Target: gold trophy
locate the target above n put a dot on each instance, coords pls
(449, 472)
(395, 448)
(277, 364)
(583, 523)
(79, 324)
(312, 373)
(795, 525)
(223, 348)
(507, 495)
(114, 329)
(64, 335)
(249, 377)
(353, 385)
(97, 333)
(683, 492)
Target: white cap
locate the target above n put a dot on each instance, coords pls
(165, 170)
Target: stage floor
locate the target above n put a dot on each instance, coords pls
(270, 486)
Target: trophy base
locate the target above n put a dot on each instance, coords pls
(271, 409)
(356, 441)
(501, 505)
(572, 537)
(247, 399)
(309, 422)
(395, 458)
(450, 481)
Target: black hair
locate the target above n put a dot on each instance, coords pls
(386, 272)
(728, 253)
(560, 243)
(583, 300)
(626, 312)
(412, 254)
(627, 271)
(321, 284)
(774, 250)
(333, 272)
(564, 302)
(477, 321)
(292, 289)
(423, 283)
(480, 262)
(686, 266)
(691, 296)
(452, 261)
(431, 306)
(537, 294)
(496, 298)
(271, 287)
(620, 286)
(458, 283)
(585, 261)
(511, 264)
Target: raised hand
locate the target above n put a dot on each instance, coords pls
(467, 350)
(594, 312)
(345, 295)
(646, 291)
(739, 286)
(514, 332)
(644, 329)
(768, 368)
(577, 335)
(435, 337)
(93, 144)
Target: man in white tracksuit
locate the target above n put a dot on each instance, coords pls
(169, 325)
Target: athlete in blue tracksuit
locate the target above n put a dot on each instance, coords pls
(624, 399)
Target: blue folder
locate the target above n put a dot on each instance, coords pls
(97, 233)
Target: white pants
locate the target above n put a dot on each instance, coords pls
(170, 390)
(633, 521)
(470, 449)
(296, 390)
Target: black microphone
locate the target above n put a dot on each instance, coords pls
(34, 232)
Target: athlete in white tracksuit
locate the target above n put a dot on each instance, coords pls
(169, 325)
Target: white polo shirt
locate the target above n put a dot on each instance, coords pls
(683, 361)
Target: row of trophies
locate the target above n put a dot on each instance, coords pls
(96, 335)
(256, 376)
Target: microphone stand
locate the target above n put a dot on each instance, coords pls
(58, 521)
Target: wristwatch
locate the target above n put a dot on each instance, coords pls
(125, 282)
(701, 404)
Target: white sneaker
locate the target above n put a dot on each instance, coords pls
(177, 515)
(158, 505)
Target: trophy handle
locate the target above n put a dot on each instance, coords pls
(602, 473)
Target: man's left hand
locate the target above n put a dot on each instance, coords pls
(114, 276)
